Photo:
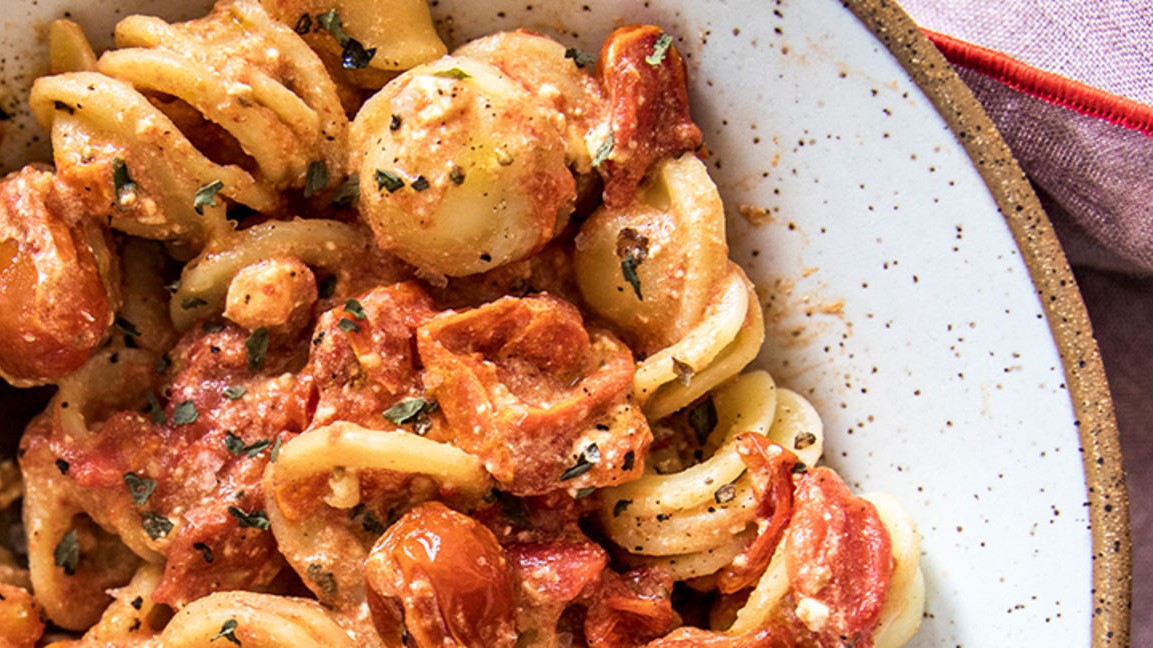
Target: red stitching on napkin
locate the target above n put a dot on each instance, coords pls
(1051, 87)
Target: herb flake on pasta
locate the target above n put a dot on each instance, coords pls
(227, 632)
(660, 50)
(253, 520)
(257, 347)
(155, 525)
(140, 487)
(206, 196)
(388, 180)
(66, 555)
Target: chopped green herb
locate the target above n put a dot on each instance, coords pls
(388, 180)
(184, 413)
(584, 463)
(409, 410)
(420, 184)
(584, 492)
(394, 123)
(703, 419)
(354, 56)
(140, 488)
(253, 520)
(67, 553)
(604, 151)
(629, 271)
(227, 631)
(316, 179)
(126, 327)
(579, 58)
(212, 327)
(155, 525)
(348, 192)
(155, 411)
(237, 447)
(347, 325)
(621, 506)
(257, 347)
(660, 49)
(62, 466)
(327, 287)
(353, 306)
(325, 580)
(452, 73)
(121, 181)
(275, 453)
(206, 196)
(192, 302)
(234, 392)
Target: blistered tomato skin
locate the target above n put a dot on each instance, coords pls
(440, 578)
(58, 289)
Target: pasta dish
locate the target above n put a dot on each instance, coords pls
(359, 342)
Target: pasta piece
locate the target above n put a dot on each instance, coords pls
(132, 618)
(276, 294)
(338, 248)
(400, 34)
(68, 48)
(272, 103)
(555, 75)
(653, 267)
(325, 535)
(255, 621)
(462, 170)
(902, 611)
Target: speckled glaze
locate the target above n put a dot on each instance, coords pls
(912, 285)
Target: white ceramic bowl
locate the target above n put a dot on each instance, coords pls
(917, 297)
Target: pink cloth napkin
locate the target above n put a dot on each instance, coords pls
(1095, 180)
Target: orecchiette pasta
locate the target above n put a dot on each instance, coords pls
(471, 368)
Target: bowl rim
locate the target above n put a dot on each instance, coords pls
(1065, 312)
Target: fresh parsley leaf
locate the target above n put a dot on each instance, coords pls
(234, 392)
(192, 302)
(584, 463)
(206, 196)
(604, 151)
(584, 492)
(122, 182)
(348, 192)
(227, 631)
(67, 553)
(354, 56)
(184, 413)
(155, 525)
(257, 347)
(253, 520)
(325, 580)
(660, 50)
(579, 58)
(621, 506)
(629, 272)
(420, 184)
(388, 180)
(347, 325)
(407, 411)
(140, 487)
(353, 306)
(237, 447)
(316, 179)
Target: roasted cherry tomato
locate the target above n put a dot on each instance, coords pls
(440, 578)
